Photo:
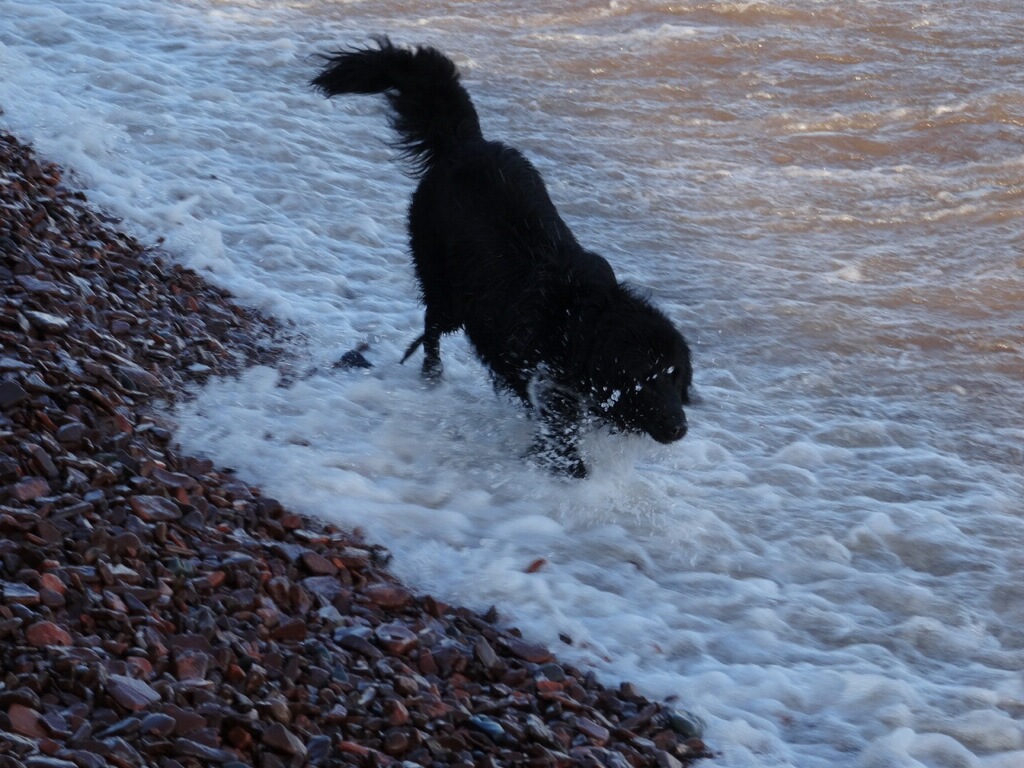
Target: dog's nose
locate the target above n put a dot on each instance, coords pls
(678, 433)
(670, 431)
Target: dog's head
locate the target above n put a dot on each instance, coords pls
(641, 376)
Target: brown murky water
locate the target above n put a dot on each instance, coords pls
(822, 187)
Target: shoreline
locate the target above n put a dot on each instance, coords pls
(156, 610)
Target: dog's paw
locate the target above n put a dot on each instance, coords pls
(562, 460)
(432, 371)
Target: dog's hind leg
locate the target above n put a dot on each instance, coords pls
(432, 368)
(558, 415)
(430, 340)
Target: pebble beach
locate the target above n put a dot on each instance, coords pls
(157, 611)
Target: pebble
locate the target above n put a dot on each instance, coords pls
(492, 728)
(44, 321)
(44, 634)
(130, 693)
(42, 761)
(16, 593)
(536, 654)
(279, 738)
(388, 595)
(11, 394)
(155, 509)
(25, 721)
(29, 489)
(396, 638)
(318, 565)
(597, 734)
(157, 724)
(155, 610)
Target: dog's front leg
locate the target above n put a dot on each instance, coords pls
(558, 416)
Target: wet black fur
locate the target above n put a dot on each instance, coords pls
(495, 260)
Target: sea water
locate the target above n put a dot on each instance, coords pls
(825, 197)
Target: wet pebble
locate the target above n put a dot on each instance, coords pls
(155, 509)
(280, 739)
(43, 634)
(395, 638)
(130, 693)
(157, 724)
(26, 721)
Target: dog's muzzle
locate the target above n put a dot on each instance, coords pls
(669, 430)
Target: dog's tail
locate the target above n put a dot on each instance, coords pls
(432, 111)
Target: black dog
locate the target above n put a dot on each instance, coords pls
(494, 259)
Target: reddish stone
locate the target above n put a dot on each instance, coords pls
(26, 721)
(536, 565)
(353, 557)
(191, 665)
(396, 638)
(291, 629)
(350, 747)
(597, 734)
(140, 666)
(535, 654)
(388, 595)
(435, 607)
(431, 706)
(29, 488)
(235, 673)
(155, 509)
(50, 747)
(128, 543)
(186, 721)
(239, 738)
(426, 662)
(270, 617)
(396, 712)
(52, 581)
(45, 633)
(318, 565)
(290, 521)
